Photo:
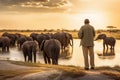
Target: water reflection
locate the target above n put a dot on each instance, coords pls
(67, 53)
(75, 56)
(108, 54)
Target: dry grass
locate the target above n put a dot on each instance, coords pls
(74, 33)
(71, 71)
(115, 68)
(113, 75)
(112, 72)
(4, 74)
(67, 71)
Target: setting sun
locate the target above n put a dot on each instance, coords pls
(98, 20)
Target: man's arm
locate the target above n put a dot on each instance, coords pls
(93, 32)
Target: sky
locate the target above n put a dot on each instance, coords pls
(58, 14)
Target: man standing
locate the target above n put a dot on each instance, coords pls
(87, 34)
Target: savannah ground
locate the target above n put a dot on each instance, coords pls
(16, 70)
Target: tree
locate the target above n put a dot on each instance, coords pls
(111, 28)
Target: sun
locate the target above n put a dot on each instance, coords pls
(98, 20)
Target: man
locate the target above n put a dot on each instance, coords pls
(87, 34)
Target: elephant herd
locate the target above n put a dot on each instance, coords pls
(50, 44)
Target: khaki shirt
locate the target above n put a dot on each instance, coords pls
(87, 34)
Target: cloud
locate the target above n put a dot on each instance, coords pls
(35, 5)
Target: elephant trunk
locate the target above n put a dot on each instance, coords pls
(96, 39)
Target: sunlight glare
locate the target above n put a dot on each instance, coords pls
(98, 20)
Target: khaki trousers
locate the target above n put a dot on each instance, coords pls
(88, 51)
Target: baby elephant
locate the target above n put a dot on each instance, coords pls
(29, 50)
(107, 41)
(51, 50)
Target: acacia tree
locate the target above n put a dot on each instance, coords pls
(111, 28)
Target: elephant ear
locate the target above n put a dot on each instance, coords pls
(42, 45)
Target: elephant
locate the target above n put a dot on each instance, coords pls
(29, 49)
(69, 39)
(12, 38)
(51, 50)
(64, 38)
(34, 36)
(4, 43)
(22, 39)
(29, 38)
(18, 35)
(107, 41)
(47, 36)
(41, 37)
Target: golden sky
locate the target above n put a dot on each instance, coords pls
(58, 14)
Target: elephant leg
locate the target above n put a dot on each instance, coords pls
(111, 47)
(56, 61)
(39, 45)
(25, 56)
(3, 49)
(20, 46)
(49, 60)
(107, 49)
(7, 48)
(30, 57)
(53, 61)
(112, 50)
(62, 48)
(103, 48)
(34, 57)
(45, 58)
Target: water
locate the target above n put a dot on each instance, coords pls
(77, 56)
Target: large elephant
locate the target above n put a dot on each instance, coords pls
(4, 43)
(107, 41)
(51, 50)
(29, 49)
(64, 38)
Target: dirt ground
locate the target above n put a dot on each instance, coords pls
(45, 73)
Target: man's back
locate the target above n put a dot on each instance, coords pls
(87, 34)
